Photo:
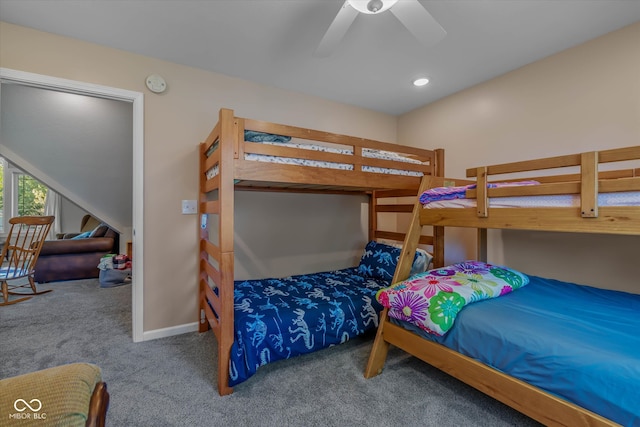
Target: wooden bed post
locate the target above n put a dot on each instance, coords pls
(438, 232)
(481, 245)
(228, 134)
(373, 215)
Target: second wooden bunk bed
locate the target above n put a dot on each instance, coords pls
(587, 217)
(225, 167)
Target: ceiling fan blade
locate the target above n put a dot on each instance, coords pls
(337, 30)
(419, 22)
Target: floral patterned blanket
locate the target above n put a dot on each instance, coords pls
(433, 299)
(449, 193)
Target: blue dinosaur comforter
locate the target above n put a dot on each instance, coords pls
(281, 318)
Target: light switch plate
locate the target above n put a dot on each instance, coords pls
(189, 207)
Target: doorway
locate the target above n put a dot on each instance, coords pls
(136, 99)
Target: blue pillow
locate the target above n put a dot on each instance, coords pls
(82, 235)
(379, 261)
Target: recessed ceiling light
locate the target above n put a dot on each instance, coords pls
(421, 81)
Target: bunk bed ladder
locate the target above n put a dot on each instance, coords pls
(412, 238)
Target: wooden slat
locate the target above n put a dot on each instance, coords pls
(619, 154)
(213, 299)
(210, 207)
(617, 185)
(438, 247)
(238, 141)
(211, 272)
(530, 165)
(559, 188)
(399, 237)
(575, 177)
(211, 320)
(589, 185)
(356, 159)
(482, 201)
(530, 190)
(299, 153)
(294, 174)
(438, 167)
(382, 194)
(209, 249)
(212, 184)
(307, 189)
(395, 208)
(611, 219)
(212, 160)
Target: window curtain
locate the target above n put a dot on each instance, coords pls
(52, 207)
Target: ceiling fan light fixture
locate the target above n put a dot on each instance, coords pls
(372, 7)
(422, 81)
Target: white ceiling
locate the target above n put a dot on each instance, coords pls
(272, 41)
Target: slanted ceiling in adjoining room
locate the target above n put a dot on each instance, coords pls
(78, 145)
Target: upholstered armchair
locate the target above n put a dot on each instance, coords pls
(67, 395)
(77, 257)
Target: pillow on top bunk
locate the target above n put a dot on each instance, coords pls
(379, 261)
(253, 136)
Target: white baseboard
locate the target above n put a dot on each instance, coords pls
(169, 332)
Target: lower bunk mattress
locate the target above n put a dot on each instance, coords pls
(282, 318)
(577, 342)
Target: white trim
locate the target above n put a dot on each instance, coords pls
(170, 331)
(137, 98)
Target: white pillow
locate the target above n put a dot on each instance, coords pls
(421, 262)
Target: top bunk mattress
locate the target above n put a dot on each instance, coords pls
(627, 198)
(577, 342)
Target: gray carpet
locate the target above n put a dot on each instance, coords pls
(171, 381)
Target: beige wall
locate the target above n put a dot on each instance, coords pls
(175, 122)
(585, 98)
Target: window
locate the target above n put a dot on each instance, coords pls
(20, 194)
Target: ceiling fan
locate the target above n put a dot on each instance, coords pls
(411, 13)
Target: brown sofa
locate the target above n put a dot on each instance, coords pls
(76, 258)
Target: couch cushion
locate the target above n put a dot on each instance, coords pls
(60, 394)
(89, 223)
(99, 231)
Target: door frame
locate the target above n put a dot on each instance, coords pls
(137, 232)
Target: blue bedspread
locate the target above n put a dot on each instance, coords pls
(577, 342)
(282, 318)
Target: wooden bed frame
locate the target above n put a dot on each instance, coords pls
(532, 401)
(226, 147)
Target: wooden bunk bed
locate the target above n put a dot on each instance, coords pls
(587, 214)
(230, 162)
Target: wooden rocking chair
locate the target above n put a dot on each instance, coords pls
(20, 253)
